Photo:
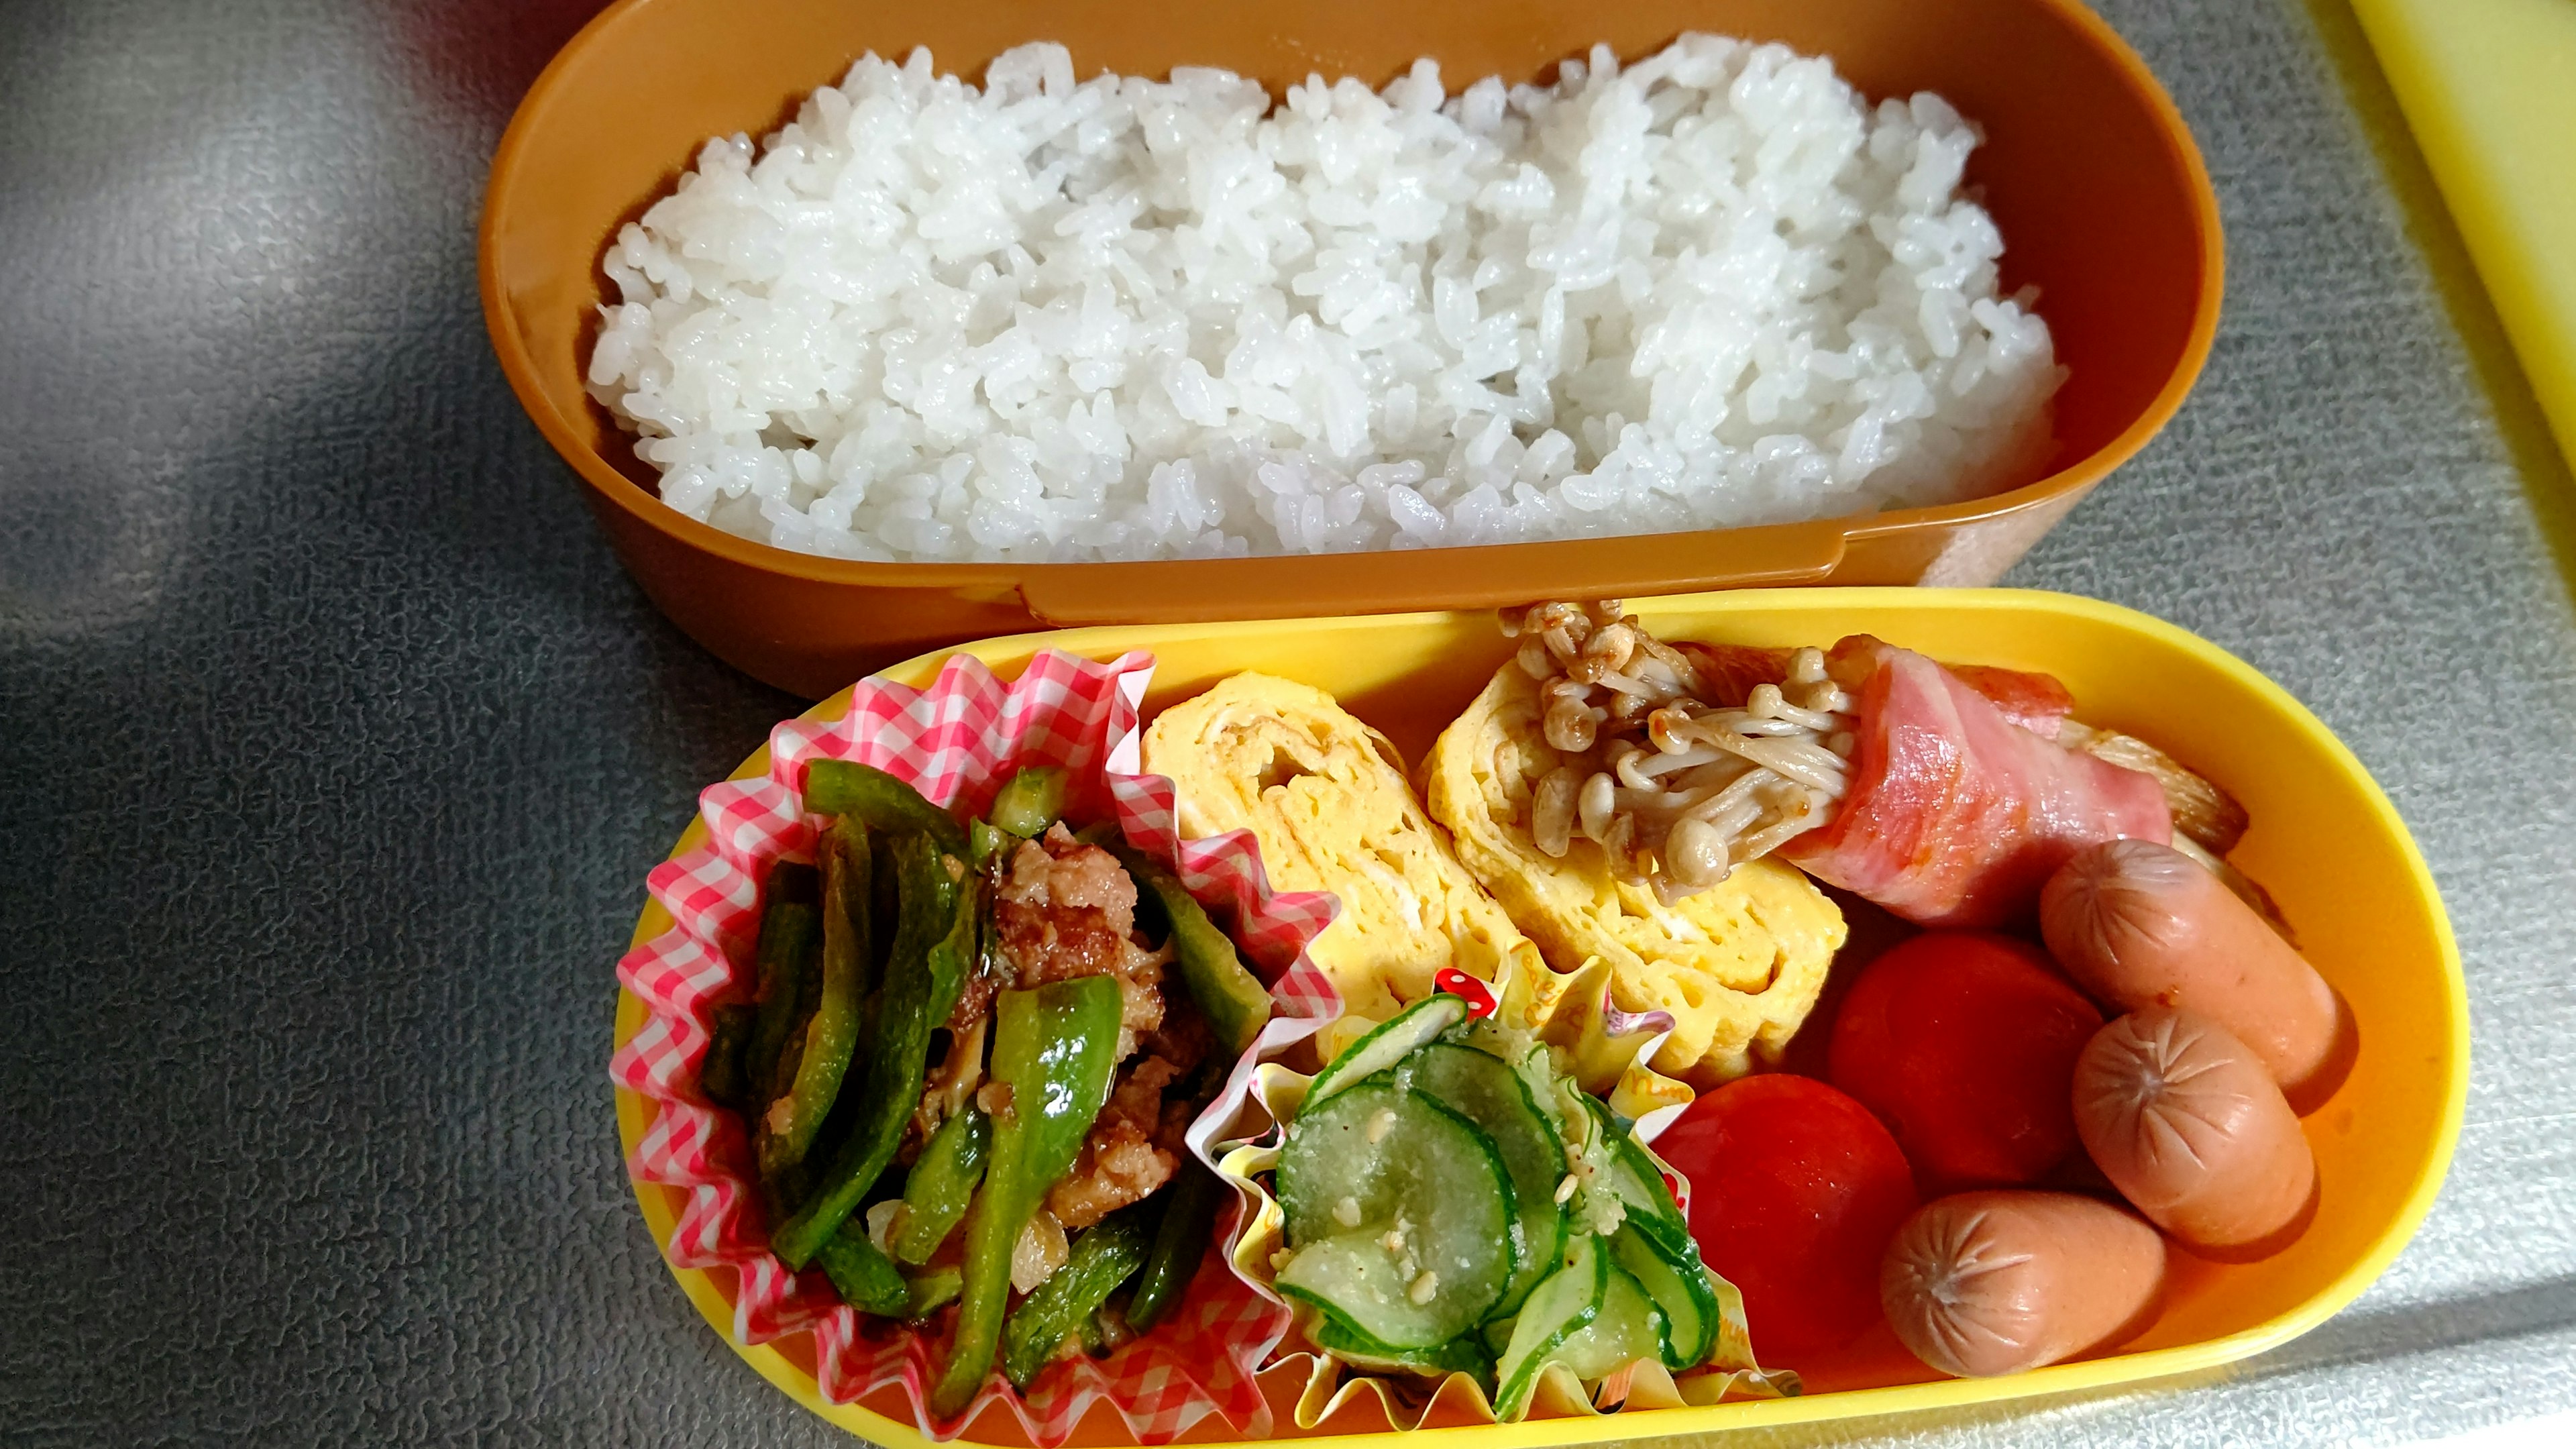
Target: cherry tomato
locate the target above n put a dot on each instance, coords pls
(1795, 1190)
(1964, 1044)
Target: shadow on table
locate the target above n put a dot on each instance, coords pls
(2546, 480)
(2365, 1335)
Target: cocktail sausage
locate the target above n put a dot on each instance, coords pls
(2183, 1119)
(1983, 1283)
(2140, 924)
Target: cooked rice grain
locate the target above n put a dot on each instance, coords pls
(1049, 321)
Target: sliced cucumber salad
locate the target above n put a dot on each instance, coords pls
(1454, 1203)
(1399, 1213)
(1478, 1087)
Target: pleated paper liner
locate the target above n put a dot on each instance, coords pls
(1609, 1049)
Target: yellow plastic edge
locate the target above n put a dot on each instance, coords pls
(634, 1112)
(2486, 88)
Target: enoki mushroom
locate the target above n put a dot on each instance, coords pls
(1676, 792)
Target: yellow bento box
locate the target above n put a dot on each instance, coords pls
(2324, 840)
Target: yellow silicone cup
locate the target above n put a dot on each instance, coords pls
(2325, 841)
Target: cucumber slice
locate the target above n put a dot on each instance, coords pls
(1490, 1094)
(1383, 1188)
(1633, 1176)
(1390, 1042)
(1679, 1285)
(1628, 1327)
(1564, 1304)
(1463, 1354)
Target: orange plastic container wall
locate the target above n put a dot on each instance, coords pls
(2086, 167)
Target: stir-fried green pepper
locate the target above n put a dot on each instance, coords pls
(1232, 999)
(942, 1185)
(932, 1290)
(720, 1073)
(788, 1128)
(1190, 1202)
(1106, 1255)
(846, 787)
(791, 927)
(1030, 802)
(864, 1277)
(1054, 1048)
(788, 1190)
(935, 939)
(984, 841)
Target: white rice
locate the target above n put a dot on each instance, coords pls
(1126, 319)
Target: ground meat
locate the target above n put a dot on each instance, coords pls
(1140, 999)
(1060, 909)
(1120, 1162)
(1119, 1165)
(1067, 909)
(1183, 1039)
(1083, 877)
(1043, 943)
(1064, 909)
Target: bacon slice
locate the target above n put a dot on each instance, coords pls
(2036, 702)
(1959, 809)
(1728, 672)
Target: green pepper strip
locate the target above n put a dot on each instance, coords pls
(1030, 802)
(789, 929)
(1232, 999)
(834, 1031)
(846, 787)
(1106, 1255)
(1189, 1222)
(942, 1185)
(932, 1290)
(863, 1276)
(924, 973)
(1055, 1048)
(720, 1070)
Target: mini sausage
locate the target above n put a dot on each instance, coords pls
(2140, 924)
(2183, 1119)
(1984, 1283)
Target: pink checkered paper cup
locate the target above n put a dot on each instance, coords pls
(956, 742)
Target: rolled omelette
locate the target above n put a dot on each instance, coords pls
(1738, 965)
(1325, 797)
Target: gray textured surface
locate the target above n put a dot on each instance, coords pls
(336, 746)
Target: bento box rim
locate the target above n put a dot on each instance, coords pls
(634, 1112)
(612, 485)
